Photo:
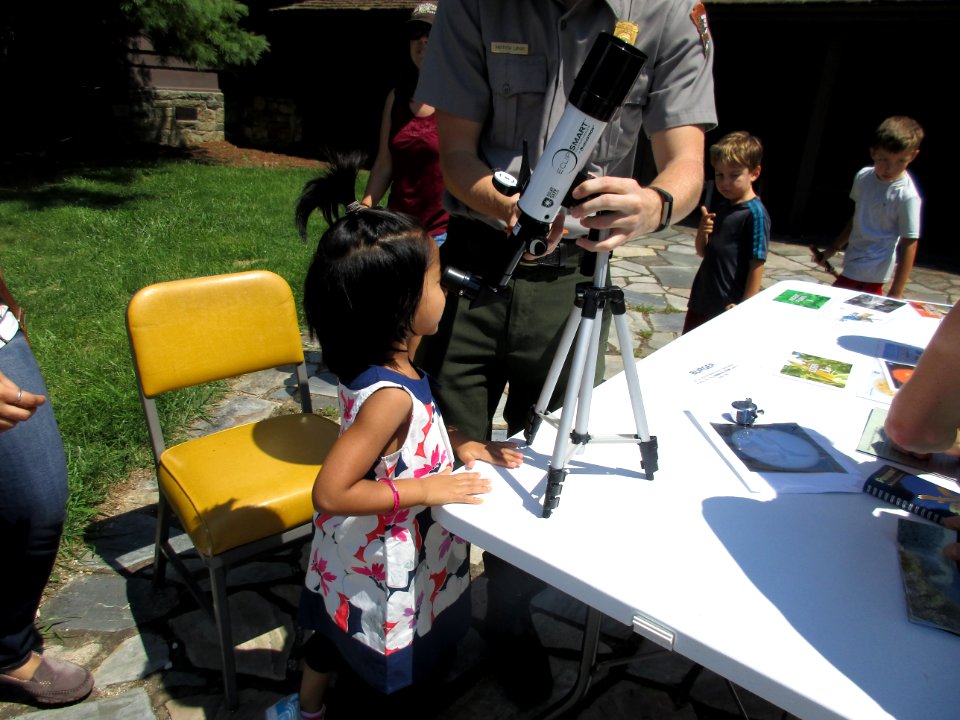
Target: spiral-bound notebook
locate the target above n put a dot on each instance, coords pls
(913, 493)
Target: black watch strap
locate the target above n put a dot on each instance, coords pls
(666, 212)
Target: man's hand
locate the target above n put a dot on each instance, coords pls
(553, 239)
(626, 209)
(621, 206)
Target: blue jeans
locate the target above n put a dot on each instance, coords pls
(33, 497)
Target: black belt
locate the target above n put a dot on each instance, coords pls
(481, 249)
(557, 258)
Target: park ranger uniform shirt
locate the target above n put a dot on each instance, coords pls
(510, 65)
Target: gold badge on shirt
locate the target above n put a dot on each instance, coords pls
(626, 31)
(699, 17)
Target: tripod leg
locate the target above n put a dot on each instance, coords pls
(648, 444)
(592, 302)
(580, 429)
(553, 376)
(556, 471)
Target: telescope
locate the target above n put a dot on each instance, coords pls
(610, 70)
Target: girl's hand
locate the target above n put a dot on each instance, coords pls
(506, 454)
(449, 487)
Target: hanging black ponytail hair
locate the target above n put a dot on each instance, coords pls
(364, 283)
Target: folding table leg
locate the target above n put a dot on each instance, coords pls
(588, 658)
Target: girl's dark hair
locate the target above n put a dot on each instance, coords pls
(366, 278)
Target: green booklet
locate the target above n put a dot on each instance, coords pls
(803, 299)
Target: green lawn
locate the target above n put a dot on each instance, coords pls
(76, 248)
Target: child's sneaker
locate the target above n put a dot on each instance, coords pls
(287, 708)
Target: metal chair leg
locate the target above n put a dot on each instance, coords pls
(160, 541)
(221, 614)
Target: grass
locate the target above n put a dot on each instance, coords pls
(76, 247)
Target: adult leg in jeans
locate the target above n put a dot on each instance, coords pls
(33, 495)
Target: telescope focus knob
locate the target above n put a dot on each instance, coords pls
(537, 246)
(505, 183)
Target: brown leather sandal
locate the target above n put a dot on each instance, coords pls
(55, 682)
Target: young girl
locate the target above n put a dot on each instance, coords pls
(386, 587)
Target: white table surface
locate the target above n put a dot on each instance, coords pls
(795, 597)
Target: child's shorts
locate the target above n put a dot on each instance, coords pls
(868, 287)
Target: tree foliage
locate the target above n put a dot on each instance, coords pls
(206, 32)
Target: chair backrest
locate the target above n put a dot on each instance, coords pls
(189, 332)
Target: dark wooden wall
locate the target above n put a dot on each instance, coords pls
(337, 66)
(813, 81)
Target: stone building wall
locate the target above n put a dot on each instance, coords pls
(178, 118)
(172, 103)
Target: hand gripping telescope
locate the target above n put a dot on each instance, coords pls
(608, 73)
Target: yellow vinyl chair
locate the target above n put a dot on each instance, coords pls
(245, 490)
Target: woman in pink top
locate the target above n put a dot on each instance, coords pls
(408, 161)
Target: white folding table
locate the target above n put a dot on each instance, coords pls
(795, 597)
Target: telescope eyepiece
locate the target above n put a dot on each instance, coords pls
(461, 283)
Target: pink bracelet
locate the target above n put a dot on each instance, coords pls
(396, 495)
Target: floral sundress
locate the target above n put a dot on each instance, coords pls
(390, 591)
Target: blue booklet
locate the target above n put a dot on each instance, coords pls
(913, 493)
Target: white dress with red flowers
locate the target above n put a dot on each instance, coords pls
(390, 590)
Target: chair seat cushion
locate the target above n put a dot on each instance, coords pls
(246, 483)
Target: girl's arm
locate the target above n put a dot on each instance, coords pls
(381, 173)
(380, 428)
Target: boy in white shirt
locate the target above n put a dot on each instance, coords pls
(880, 241)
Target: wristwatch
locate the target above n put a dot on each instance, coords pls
(666, 211)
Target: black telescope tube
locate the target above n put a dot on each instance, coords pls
(599, 89)
(606, 77)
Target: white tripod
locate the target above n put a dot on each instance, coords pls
(583, 324)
